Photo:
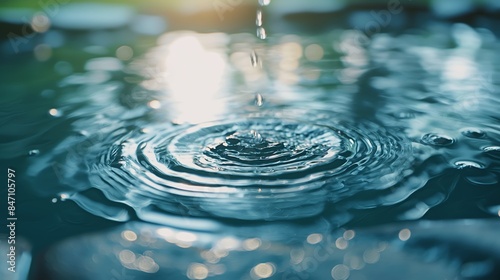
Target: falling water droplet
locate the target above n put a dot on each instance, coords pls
(261, 33)
(258, 18)
(264, 2)
(472, 132)
(254, 59)
(437, 139)
(34, 152)
(259, 100)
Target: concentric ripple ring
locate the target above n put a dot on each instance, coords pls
(256, 167)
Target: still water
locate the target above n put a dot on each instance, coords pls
(200, 153)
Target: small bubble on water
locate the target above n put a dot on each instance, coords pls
(463, 164)
(437, 139)
(55, 113)
(261, 33)
(492, 151)
(34, 152)
(472, 132)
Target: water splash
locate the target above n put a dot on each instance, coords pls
(258, 167)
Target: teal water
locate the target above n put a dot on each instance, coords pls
(180, 130)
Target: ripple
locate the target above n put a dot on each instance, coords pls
(258, 167)
(258, 148)
(463, 164)
(472, 132)
(492, 151)
(437, 139)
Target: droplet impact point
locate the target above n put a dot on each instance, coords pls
(437, 139)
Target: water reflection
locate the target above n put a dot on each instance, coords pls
(466, 249)
(189, 74)
(150, 157)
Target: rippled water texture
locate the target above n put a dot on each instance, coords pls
(261, 166)
(329, 126)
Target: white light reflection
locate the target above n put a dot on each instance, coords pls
(404, 234)
(341, 243)
(126, 257)
(54, 112)
(459, 68)
(40, 23)
(147, 264)
(262, 271)
(340, 272)
(129, 235)
(314, 52)
(314, 238)
(197, 271)
(194, 78)
(349, 234)
(371, 256)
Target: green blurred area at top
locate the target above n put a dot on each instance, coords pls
(279, 6)
(183, 4)
(228, 15)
